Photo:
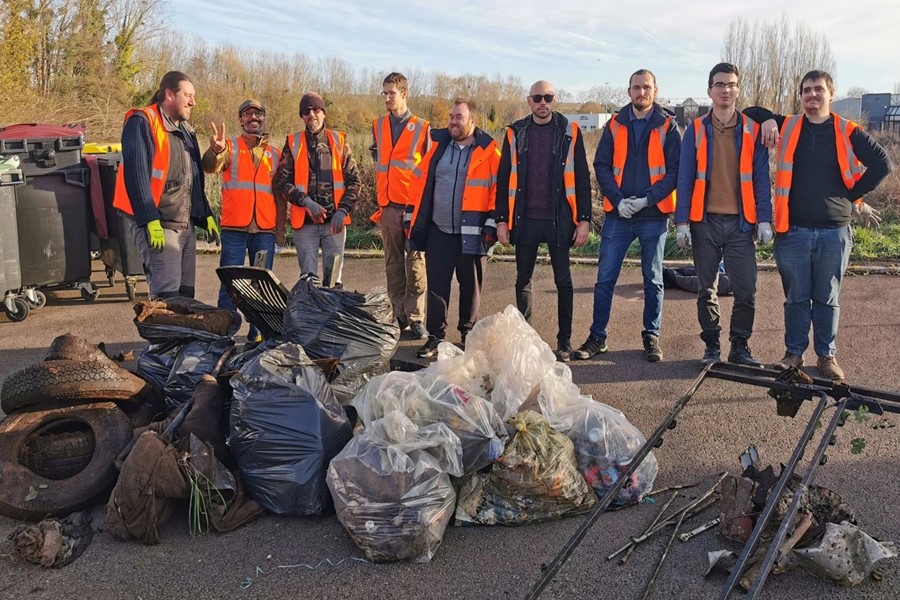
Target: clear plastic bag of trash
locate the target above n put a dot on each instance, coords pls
(286, 425)
(359, 331)
(504, 361)
(391, 487)
(427, 398)
(536, 479)
(605, 441)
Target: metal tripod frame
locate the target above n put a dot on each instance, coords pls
(791, 385)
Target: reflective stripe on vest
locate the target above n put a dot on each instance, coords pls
(568, 173)
(656, 159)
(159, 164)
(247, 188)
(336, 144)
(851, 169)
(749, 133)
(395, 164)
(478, 193)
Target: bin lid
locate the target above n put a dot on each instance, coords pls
(38, 130)
(101, 147)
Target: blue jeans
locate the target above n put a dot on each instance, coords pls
(812, 263)
(615, 238)
(236, 245)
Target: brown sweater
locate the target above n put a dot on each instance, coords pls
(723, 193)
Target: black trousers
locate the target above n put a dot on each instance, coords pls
(718, 238)
(530, 233)
(443, 257)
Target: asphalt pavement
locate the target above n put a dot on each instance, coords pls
(272, 557)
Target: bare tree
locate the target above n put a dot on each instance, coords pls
(772, 56)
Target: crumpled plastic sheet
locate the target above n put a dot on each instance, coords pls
(536, 479)
(605, 441)
(504, 361)
(194, 360)
(285, 426)
(359, 331)
(845, 554)
(427, 398)
(391, 487)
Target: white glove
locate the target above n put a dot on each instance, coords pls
(764, 233)
(868, 216)
(638, 204)
(624, 208)
(683, 236)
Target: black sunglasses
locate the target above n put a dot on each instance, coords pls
(548, 98)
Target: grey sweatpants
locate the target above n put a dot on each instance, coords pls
(173, 271)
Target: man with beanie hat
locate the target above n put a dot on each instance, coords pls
(318, 177)
(253, 217)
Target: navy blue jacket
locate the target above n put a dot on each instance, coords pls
(636, 174)
(687, 174)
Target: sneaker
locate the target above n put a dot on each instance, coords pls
(564, 352)
(593, 345)
(402, 323)
(829, 368)
(740, 354)
(711, 355)
(430, 348)
(789, 360)
(652, 351)
(418, 330)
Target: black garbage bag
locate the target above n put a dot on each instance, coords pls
(359, 331)
(156, 361)
(685, 278)
(184, 320)
(286, 425)
(193, 361)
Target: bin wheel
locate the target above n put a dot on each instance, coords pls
(41, 300)
(21, 312)
(89, 294)
(130, 289)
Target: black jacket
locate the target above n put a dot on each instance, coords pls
(562, 213)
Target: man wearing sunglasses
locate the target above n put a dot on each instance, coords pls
(544, 196)
(318, 176)
(825, 166)
(252, 215)
(723, 194)
(637, 168)
(400, 140)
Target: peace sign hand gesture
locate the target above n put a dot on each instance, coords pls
(217, 139)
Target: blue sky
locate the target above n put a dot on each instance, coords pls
(575, 44)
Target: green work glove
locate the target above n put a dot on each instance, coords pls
(212, 231)
(157, 237)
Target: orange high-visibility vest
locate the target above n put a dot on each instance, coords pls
(656, 158)
(568, 173)
(480, 187)
(336, 144)
(749, 133)
(159, 164)
(247, 188)
(851, 169)
(393, 169)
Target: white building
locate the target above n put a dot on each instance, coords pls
(590, 121)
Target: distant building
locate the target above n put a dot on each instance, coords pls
(876, 109)
(849, 108)
(589, 122)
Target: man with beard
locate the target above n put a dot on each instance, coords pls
(318, 176)
(400, 139)
(252, 216)
(544, 196)
(452, 196)
(160, 189)
(637, 168)
(825, 165)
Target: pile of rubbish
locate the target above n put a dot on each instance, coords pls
(310, 423)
